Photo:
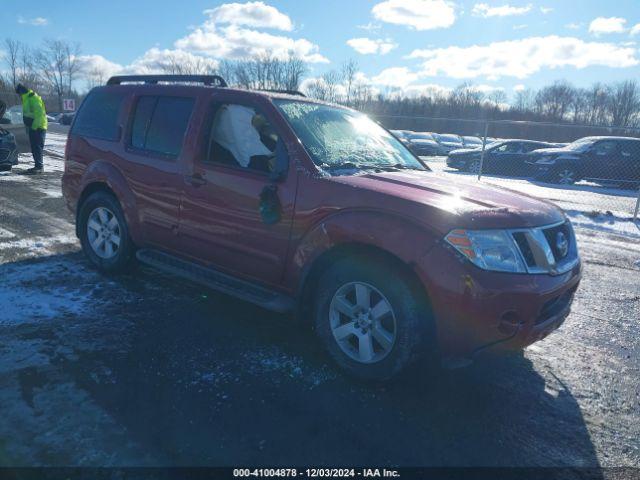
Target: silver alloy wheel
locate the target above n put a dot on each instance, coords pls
(362, 322)
(566, 177)
(104, 233)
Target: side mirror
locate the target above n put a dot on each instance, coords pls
(281, 166)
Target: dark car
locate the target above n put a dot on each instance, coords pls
(425, 148)
(66, 118)
(503, 157)
(601, 159)
(8, 147)
(448, 142)
(311, 208)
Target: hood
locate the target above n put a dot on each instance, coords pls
(463, 151)
(444, 203)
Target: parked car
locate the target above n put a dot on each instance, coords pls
(601, 159)
(66, 118)
(8, 147)
(426, 148)
(504, 158)
(305, 207)
(448, 142)
(472, 142)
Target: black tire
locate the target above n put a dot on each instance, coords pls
(414, 325)
(473, 167)
(123, 258)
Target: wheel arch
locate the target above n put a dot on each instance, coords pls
(104, 176)
(361, 251)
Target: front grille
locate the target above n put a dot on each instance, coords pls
(551, 234)
(551, 249)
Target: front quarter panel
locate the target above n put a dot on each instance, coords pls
(398, 236)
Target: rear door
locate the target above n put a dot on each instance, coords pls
(628, 169)
(602, 160)
(228, 217)
(154, 149)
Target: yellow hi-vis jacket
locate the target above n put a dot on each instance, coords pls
(33, 108)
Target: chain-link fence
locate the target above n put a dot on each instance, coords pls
(592, 172)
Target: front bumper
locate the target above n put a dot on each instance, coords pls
(478, 311)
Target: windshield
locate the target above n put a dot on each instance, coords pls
(449, 138)
(579, 144)
(339, 138)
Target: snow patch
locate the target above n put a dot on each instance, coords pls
(28, 296)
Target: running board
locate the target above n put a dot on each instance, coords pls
(216, 280)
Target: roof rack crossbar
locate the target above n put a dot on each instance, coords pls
(208, 80)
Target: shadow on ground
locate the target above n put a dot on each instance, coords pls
(191, 377)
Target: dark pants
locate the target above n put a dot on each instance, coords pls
(36, 139)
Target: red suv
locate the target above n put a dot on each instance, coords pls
(305, 207)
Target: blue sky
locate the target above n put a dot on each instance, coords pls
(406, 44)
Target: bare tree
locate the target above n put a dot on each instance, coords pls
(12, 59)
(624, 103)
(349, 71)
(57, 63)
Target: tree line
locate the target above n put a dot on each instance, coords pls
(54, 69)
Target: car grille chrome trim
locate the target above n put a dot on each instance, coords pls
(541, 257)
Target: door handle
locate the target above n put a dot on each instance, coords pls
(196, 180)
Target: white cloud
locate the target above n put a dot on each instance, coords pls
(91, 64)
(369, 27)
(603, 25)
(635, 30)
(250, 14)
(222, 35)
(156, 60)
(546, 10)
(519, 88)
(153, 60)
(36, 21)
(417, 14)
(522, 58)
(484, 10)
(520, 27)
(573, 26)
(395, 77)
(368, 46)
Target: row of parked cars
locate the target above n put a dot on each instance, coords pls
(604, 159)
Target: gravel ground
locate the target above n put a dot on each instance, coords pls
(146, 369)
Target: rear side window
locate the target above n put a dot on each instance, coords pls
(159, 124)
(98, 116)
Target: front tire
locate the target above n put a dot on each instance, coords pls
(104, 233)
(564, 176)
(371, 318)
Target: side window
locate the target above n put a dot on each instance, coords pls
(141, 121)
(530, 147)
(98, 115)
(502, 148)
(160, 123)
(630, 149)
(242, 137)
(514, 147)
(604, 148)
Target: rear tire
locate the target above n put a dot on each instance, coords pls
(104, 233)
(372, 319)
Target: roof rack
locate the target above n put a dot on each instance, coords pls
(288, 92)
(208, 80)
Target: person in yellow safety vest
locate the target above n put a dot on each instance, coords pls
(35, 119)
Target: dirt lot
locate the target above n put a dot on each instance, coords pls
(146, 369)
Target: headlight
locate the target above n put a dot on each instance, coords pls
(494, 250)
